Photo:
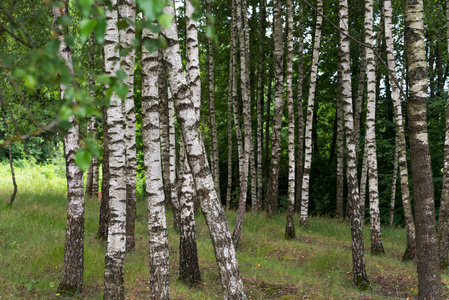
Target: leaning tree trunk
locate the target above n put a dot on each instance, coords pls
(358, 257)
(408, 215)
(127, 13)
(72, 272)
(370, 139)
(213, 212)
(157, 226)
(429, 281)
(443, 220)
(309, 121)
(188, 255)
(114, 287)
(11, 166)
(290, 225)
(273, 184)
(246, 107)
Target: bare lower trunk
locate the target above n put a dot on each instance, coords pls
(114, 287)
(230, 87)
(358, 257)
(370, 139)
(127, 13)
(429, 281)
(272, 190)
(157, 226)
(309, 121)
(246, 107)
(213, 212)
(393, 183)
(104, 206)
(363, 180)
(72, 273)
(290, 225)
(340, 145)
(403, 171)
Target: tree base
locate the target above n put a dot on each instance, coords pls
(409, 255)
(289, 232)
(377, 250)
(362, 283)
(443, 265)
(69, 290)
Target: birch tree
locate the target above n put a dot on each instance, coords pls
(370, 146)
(127, 13)
(429, 281)
(210, 205)
(358, 257)
(271, 197)
(157, 226)
(290, 226)
(115, 250)
(73, 267)
(443, 220)
(402, 154)
(309, 120)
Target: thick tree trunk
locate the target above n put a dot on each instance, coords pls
(246, 107)
(115, 251)
(370, 139)
(213, 212)
(310, 115)
(429, 281)
(157, 226)
(443, 220)
(290, 225)
(11, 166)
(358, 257)
(72, 273)
(403, 170)
(127, 13)
(272, 191)
(104, 206)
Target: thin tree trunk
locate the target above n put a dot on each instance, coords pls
(408, 215)
(246, 107)
(363, 180)
(429, 281)
(340, 144)
(213, 212)
(230, 89)
(104, 206)
(443, 220)
(115, 251)
(212, 123)
(370, 140)
(310, 115)
(272, 191)
(157, 226)
(11, 166)
(72, 273)
(163, 124)
(290, 225)
(91, 130)
(393, 183)
(300, 143)
(127, 13)
(358, 257)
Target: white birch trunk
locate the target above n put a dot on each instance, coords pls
(309, 121)
(157, 226)
(213, 212)
(115, 251)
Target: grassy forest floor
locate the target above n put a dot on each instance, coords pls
(315, 265)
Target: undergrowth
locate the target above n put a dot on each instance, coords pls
(314, 265)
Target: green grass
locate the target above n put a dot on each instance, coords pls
(314, 265)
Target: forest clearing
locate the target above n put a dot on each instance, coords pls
(314, 265)
(239, 149)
